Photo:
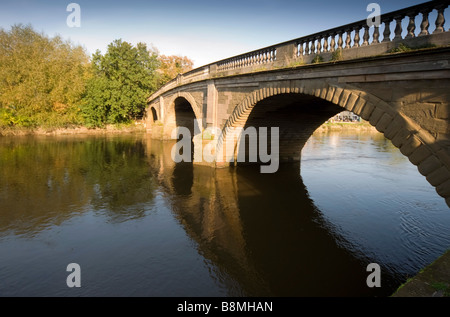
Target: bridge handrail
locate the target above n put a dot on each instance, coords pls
(323, 42)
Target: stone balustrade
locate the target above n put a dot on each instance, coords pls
(359, 34)
(354, 40)
(258, 57)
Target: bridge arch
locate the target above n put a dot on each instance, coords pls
(154, 114)
(182, 110)
(414, 142)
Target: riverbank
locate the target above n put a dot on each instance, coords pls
(110, 129)
(138, 127)
(432, 281)
(346, 126)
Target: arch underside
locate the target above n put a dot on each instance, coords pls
(296, 116)
(298, 108)
(181, 111)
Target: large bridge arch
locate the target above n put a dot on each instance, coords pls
(417, 144)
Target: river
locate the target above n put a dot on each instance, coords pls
(137, 224)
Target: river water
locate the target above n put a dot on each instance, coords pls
(137, 224)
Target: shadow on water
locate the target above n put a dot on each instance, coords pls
(264, 233)
(258, 234)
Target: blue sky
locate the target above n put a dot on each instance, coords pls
(204, 31)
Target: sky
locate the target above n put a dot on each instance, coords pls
(204, 31)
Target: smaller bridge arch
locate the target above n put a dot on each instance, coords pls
(154, 114)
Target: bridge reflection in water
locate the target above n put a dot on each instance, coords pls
(140, 224)
(262, 230)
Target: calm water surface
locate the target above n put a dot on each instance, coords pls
(140, 225)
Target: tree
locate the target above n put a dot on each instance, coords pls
(122, 80)
(42, 79)
(171, 66)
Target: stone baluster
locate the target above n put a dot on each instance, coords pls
(440, 20)
(300, 49)
(425, 23)
(411, 25)
(325, 43)
(333, 42)
(356, 39)
(398, 28)
(340, 41)
(387, 30)
(348, 39)
(376, 35)
(366, 36)
(319, 44)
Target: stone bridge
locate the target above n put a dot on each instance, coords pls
(399, 83)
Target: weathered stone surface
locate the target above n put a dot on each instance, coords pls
(439, 176)
(410, 145)
(405, 96)
(419, 154)
(429, 165)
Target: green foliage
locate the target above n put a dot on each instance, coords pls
(42, 79)
(336, 55)
(122, 80)
(400, 48)
(317, 59)
(404, 48)
(444, 287)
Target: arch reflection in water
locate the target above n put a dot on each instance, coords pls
(141, 225)
(263, 233)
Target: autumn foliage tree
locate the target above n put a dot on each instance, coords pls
(42, 79)
(48, 82)
(171, 66)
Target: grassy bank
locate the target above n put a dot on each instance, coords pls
(118, 128)
(139, 127)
